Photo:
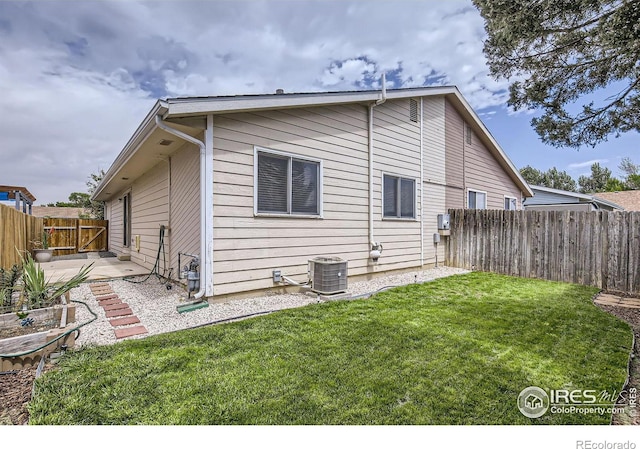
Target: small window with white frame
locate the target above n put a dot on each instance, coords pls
(398, 197)
(287, 184)
(510, 203)
(476, 199)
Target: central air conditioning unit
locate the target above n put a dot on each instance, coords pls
(328, 275)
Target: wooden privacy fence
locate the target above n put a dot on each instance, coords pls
(591, 248)
(17, 231)
(75, 235)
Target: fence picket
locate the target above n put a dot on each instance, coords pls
(592, 248)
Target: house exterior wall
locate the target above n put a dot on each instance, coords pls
(435, 169)
(149, 210)
(541, 197)
(185, 204)
(454, 158)
(396, 152)
(248, 248)
(473, 167)
(114, 213)
(583, 207)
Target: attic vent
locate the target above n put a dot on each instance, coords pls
(413, 110)
(165, 142)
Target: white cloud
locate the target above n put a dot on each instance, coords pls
(78, 77)
(577, 165)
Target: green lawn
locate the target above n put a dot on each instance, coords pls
(454, 351)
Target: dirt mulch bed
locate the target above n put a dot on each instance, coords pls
(15, 394)
(26, 330)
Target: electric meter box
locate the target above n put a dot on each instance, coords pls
(443, 221)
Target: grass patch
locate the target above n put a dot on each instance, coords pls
(454, 351)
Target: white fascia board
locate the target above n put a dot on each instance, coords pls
(138, 137)
(180, 107)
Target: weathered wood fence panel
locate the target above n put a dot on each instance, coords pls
(75, 235)
(592, 248)
(17, 231)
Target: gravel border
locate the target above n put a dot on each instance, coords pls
(155, 306)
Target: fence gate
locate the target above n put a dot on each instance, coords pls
(74, 235)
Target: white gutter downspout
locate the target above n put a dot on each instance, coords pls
(422, 183)
(376, 248)
(206, 202)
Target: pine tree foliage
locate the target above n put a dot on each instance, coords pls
(560, 55)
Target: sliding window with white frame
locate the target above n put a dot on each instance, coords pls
(287, 184)
(476, 199)
(398, 197)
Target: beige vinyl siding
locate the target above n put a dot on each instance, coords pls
(149, 209)
(434, 140)
(116, 225)
(435, 197)
(474, 167)
(396, 152)
(454, 157)
(185, 204)
(248, 248)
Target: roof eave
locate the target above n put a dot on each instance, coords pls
(138, 137)
(182, 107)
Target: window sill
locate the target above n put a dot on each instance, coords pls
(267, 215)
(400, 219)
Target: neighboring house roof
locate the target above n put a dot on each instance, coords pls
(150, 142)
(629, 199)
(58, 212)
(549, 196)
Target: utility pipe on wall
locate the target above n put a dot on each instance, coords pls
(375, 246)
(206, 201)
(422, 185)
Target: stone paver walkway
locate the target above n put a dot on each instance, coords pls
(121, 314)
(613, 300)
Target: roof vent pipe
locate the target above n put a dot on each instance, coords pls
(383, 95)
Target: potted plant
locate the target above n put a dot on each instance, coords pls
(41, 250)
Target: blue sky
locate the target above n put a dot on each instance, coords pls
(78, 77)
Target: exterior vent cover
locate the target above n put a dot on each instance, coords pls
(413, 110)
(328, 275)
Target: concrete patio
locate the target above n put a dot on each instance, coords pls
(103, 268)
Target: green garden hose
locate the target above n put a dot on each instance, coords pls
(20, 354)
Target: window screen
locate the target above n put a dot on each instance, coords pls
(399, 197)
(477, 200)
(272, 183)
(304, 187)
(287, 185)
(510, 203)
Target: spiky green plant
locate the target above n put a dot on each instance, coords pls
(36, 291)
(8, 279)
